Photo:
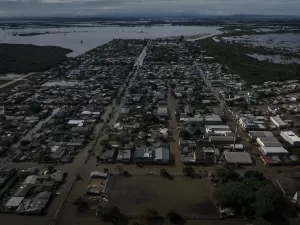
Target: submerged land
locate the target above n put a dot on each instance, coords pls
(189, 129)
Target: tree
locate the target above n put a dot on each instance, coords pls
(119, 169)
(236, 195)
(105, 143)
(268, 200)
(138, 223)
(110, 213)
(150, 215)
(255, 179)
(81, 204)
(225, 175)
(165, 173)
(78, 177)
(173, 216)
(50, 168)
(188, 171)
(185, 134)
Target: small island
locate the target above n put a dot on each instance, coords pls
(20, 58)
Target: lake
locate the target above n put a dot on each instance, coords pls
(92, 37)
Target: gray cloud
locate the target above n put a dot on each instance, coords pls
(27, 8)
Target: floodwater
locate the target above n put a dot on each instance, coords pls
(275, 58)
(286, 42)
(92, 37)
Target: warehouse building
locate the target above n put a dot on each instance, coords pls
(208, 120)
(278, 122)
(253, 135)
(268, 142)
(217, 130)
(269, 151)
(221, 139)
(238, 157)
(290, 137)
(13, 203)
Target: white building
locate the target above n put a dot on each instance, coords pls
(278, 122)
(268, 142)
(290, 137)
(238, 157)
(257, 134)
(217, 130)
(162, 111)
(247, 124)
(269, 151)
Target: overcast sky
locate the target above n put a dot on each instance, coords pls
(29, 8)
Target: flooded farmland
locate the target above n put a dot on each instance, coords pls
(288, 42)
(275, 58)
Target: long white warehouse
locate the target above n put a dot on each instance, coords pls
(269, 151)
(290, 137)
(278, 122)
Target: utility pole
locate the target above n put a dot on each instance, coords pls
(236, 129)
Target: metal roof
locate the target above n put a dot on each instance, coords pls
(14, 202)
(238, 157)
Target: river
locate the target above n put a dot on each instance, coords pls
(92, 37)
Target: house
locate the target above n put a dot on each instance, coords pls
(143, 155)
(162, 111)
(238, 157)
(278, 122)
(290, 137)
(188, 111)
(125, 111)
(247, 124)
(76, 122)
(124, 156)
(108, 156)
(162, 155)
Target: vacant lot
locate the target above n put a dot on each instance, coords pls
(190, 197)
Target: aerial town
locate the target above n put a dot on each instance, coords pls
(140, 123)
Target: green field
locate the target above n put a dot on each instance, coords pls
(251, 70)
(29, 58)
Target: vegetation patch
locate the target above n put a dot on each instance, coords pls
(250, 195)
(252, 70)
(29, 58)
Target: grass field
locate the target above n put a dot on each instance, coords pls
(190, 197)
